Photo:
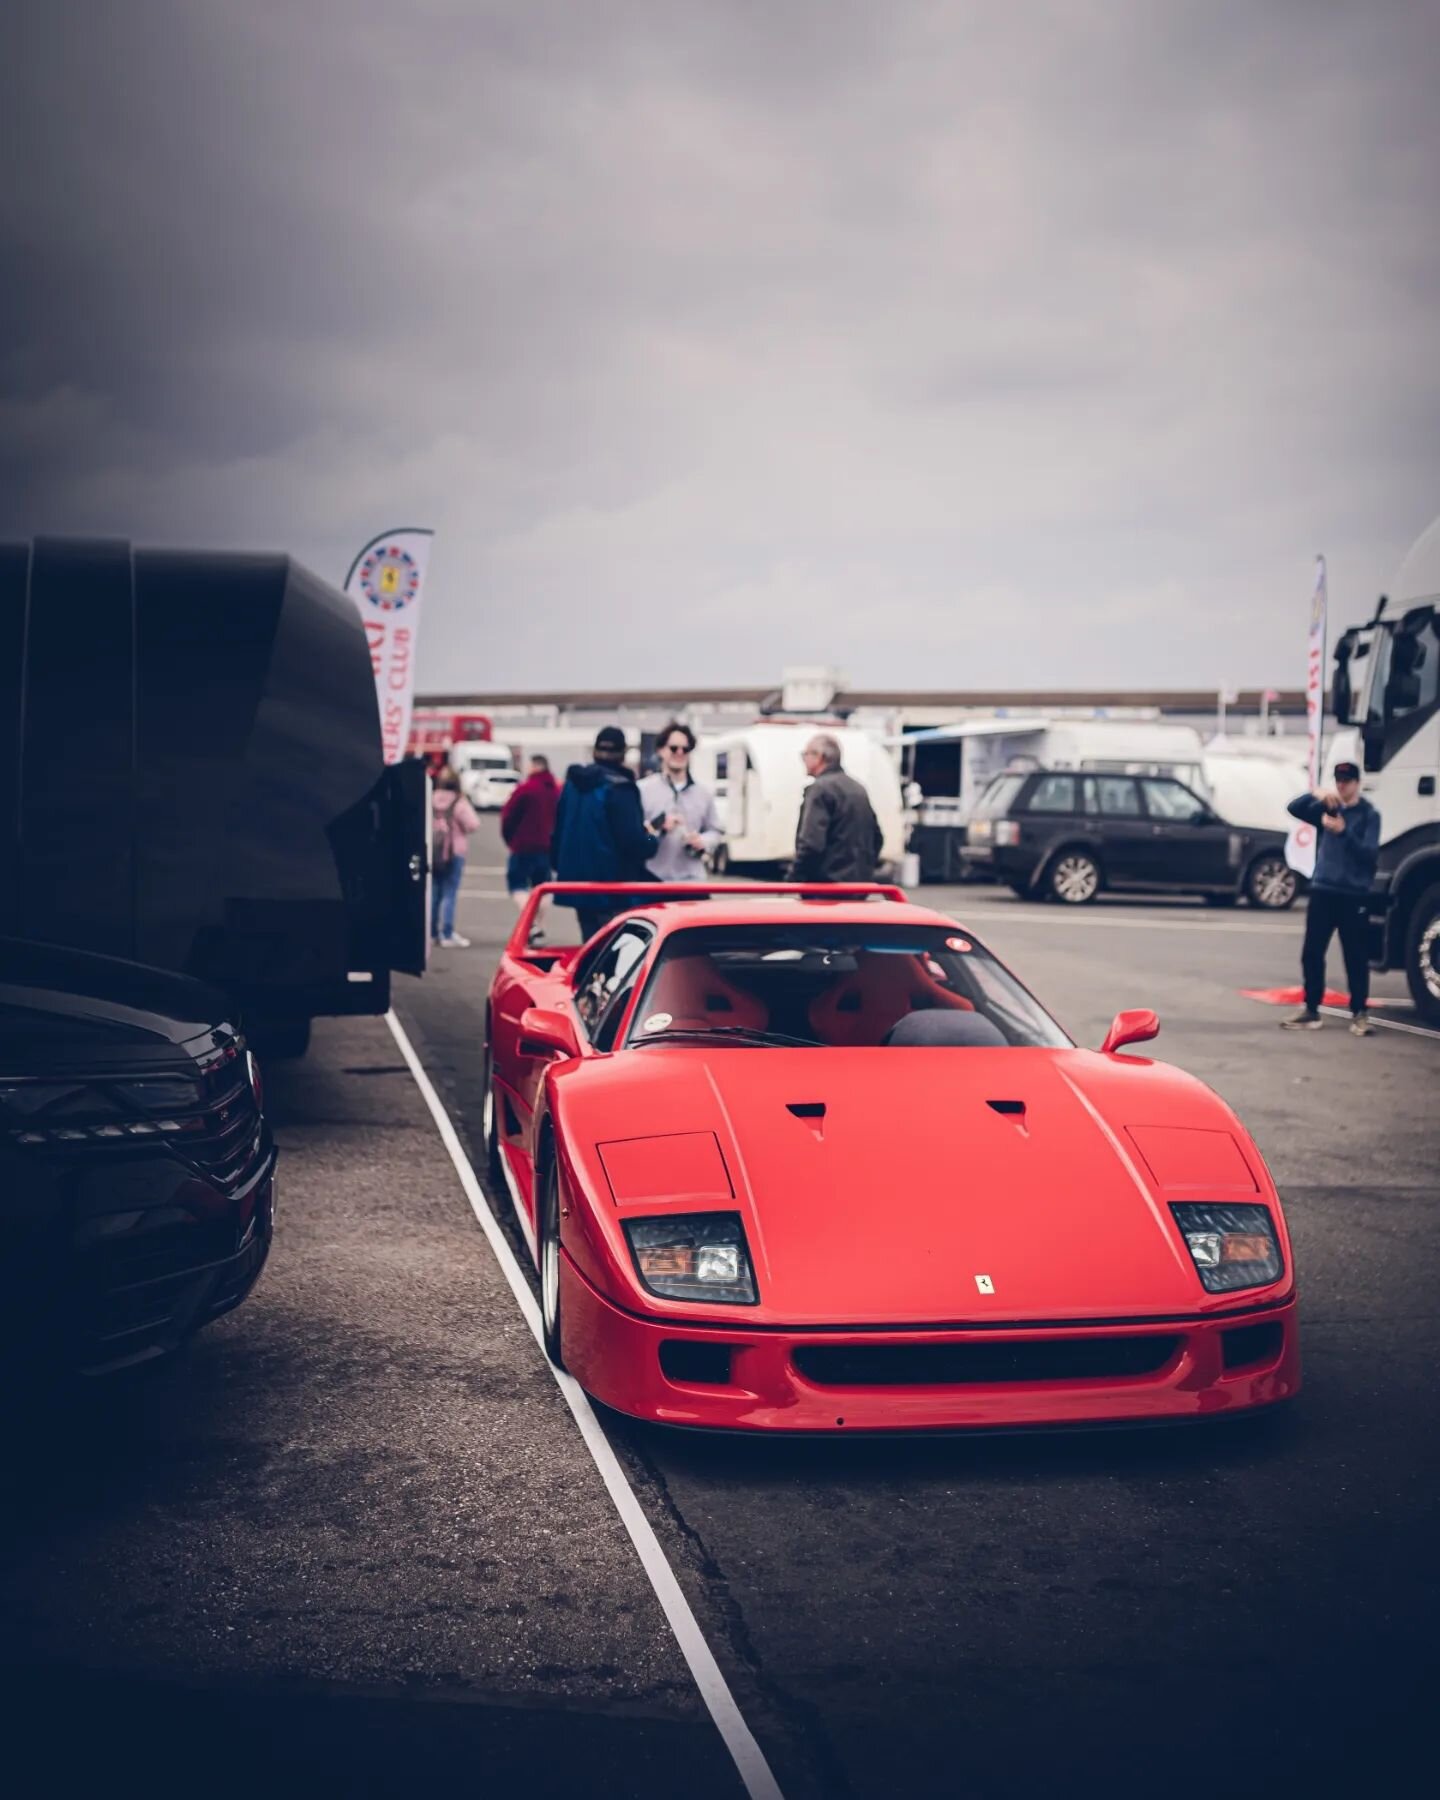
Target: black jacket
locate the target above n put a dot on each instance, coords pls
(839, 837)
(599, 832)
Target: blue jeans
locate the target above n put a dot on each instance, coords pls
(444, 892)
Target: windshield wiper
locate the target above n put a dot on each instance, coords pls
(751, 1034)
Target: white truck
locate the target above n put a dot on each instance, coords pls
(758, 779)
(1387, 686)
(488, 776)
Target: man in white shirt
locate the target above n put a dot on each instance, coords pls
(681, 809)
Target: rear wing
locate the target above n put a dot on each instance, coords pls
(646, 893)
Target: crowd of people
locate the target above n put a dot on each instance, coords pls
(606, 824)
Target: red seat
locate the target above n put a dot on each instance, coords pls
(698, 998)
(861, 1008)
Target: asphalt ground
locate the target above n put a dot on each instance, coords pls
(352, 1543)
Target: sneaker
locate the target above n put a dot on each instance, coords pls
(1304, 1020)
(1360, 1026)
(455, 942)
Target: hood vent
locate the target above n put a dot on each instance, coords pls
(812, 1112)
(1011, 1109)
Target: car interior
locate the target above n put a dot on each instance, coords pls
(826, 995)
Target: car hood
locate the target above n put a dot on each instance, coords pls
(925, 1185)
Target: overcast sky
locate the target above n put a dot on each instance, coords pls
(957, 344)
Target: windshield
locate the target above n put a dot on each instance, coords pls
(833, 986)
(999, 797)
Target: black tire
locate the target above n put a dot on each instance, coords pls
(1072, 876)
(1270, 883)
(490, 1126)
(548, 1248)
(1422, 954)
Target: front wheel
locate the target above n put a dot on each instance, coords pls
(490, 1125)
(1422, 955)
(550, 1265)
(1073, 877)
(1271, 883)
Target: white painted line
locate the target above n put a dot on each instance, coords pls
(748, 1757)
(1339, 1012)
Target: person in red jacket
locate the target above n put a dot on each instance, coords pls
(526, 824)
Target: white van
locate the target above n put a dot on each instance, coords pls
(758, 779)
(488, 776)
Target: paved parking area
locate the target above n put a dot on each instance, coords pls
(352, 1540)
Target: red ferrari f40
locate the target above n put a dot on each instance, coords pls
(813, 1159)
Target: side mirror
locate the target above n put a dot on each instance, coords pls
(1202, 816)
(1130, 1028)
(545, 1031)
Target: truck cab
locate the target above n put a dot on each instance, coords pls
(1387, 687)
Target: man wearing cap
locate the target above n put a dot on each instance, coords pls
(1346, 851)
(600, 834)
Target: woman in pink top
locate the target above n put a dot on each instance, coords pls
(452, 820)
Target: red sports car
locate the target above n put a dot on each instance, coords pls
(814, 1160)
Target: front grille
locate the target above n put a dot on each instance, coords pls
(694, 1360)
(1244, 1346)
(978, 1364)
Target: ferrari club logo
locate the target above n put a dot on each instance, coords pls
(389, 577)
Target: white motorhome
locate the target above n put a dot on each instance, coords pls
(488, 776)
(1119, 746)
(758, 780)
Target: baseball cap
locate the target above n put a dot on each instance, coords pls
(1347, 771)
(610, 737)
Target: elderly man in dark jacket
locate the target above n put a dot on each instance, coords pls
(839, 837)
(600, 834)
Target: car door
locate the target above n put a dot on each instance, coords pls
(1121, 825)
(603, 985)
(1188, 847)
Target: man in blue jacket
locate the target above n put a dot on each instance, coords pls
(1346, 852)
(600, 834)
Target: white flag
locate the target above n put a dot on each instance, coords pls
(386, 581)
(1300, 845)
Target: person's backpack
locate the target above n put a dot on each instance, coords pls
(442, 838)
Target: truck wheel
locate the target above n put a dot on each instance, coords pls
(1270, 883)
(1073, 877)
(1422, 954)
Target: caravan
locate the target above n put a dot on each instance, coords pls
(758, 780)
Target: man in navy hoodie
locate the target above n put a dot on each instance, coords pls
(1346, 852)
(600, 833)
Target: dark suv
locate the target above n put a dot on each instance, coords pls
(1066, 834)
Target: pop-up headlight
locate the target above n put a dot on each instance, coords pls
(1231, 1246)
(693, 1256)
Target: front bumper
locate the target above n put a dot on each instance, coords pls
(98, 1288)
(1192, 1369)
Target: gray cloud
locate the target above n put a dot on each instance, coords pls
(949, 342)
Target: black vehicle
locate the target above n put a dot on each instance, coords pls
(1066, 834)
(137, 1170)
(191, 777)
